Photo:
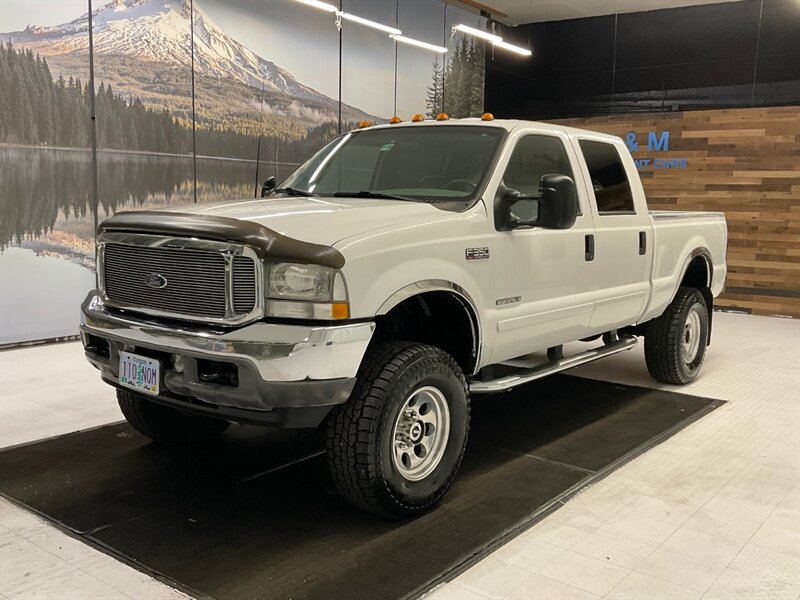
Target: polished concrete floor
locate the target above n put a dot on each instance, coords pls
(714, 512)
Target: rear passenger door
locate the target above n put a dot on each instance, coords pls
(622, 246)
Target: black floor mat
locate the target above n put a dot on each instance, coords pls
(255, 515)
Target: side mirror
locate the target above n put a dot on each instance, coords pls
(270, 183)
(554, 207)
(558, 207)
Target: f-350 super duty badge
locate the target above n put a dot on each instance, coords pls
(477, 253)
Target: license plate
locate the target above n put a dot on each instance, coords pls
(139, 372)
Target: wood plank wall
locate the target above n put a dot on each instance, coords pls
(745, 163)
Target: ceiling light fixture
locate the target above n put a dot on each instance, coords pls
(477, 33)
(320, 5)
(419, 44)
(512, 48)
(368, 23)
(495, 40)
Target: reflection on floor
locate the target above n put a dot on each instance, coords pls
(713, 512)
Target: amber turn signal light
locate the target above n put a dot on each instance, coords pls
(340, 310)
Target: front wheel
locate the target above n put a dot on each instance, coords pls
(395, 446)
(675, 343)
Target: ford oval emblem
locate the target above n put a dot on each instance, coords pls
(156, 281)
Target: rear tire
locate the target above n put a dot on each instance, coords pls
(167, 425)
(675, 343)
(395, 446)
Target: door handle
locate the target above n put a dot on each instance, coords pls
(589, 247)
(642, 243)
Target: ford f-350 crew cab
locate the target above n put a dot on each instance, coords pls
(399, 270)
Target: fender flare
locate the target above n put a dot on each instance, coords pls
(703, 252)
(441, 285)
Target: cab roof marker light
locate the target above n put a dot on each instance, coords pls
(320, 5)
(477, 33)
(512, 48)
(419, 44)
(368, 23)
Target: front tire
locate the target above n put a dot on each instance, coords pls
(675, 343)
(167, 425)
(394, 448)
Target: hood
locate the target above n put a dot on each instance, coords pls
(321, 220)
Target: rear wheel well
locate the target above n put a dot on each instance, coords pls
(698, 276)
(439, 318)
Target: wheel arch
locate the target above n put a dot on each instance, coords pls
(425, 311)
(698, 273)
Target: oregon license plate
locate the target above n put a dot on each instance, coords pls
(139, 372)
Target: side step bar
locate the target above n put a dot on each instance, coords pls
(527, 375)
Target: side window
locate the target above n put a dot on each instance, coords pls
(612, 192)
(534, 156)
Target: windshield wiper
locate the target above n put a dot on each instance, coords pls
(290, 191)
(369, 194)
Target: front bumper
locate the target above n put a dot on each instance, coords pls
(278, 367)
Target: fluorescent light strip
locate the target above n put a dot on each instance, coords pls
(477, 33)
(320, 5)
(512, 48)
(368, 23)
(419, 44)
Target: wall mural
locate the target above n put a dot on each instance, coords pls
(266, 95)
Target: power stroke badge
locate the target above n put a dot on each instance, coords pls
(477, 253)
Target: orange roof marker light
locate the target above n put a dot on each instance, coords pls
(442, 116)
(417, 118)
(487, 117)
(363, 124)
(394, 120)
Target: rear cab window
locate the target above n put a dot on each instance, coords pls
(612, 190)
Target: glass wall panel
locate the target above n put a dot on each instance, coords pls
(419, 71)
(46, 221)
(464, 74)
(303, 113)
(142, 60)
(368, 58)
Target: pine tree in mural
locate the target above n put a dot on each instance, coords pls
(433, 100)
(460, 83)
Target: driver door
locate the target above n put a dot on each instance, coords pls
(544, 284)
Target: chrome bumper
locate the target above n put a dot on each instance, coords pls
(278, 365)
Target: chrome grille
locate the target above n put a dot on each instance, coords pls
(244, 284)
(198, 284)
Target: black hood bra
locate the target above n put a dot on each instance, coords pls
(267, 243)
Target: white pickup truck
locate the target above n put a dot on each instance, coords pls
(401, 269)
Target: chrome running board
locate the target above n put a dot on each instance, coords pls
(527, 375)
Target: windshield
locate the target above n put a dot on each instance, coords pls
(408, 163)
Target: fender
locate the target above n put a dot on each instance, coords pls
(701, 251)
(441, 285)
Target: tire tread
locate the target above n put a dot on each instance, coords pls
(354, 429)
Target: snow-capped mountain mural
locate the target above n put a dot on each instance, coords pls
(138, 42)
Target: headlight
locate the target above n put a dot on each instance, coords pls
(301, 282)
(306, 292)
